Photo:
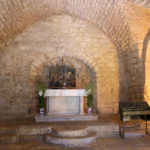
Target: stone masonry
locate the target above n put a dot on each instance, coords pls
(81, 44)
(109, 39)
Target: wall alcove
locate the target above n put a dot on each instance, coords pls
(83, 75)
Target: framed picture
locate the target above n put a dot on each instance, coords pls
(62, 77)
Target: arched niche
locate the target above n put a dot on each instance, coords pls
(84, 74)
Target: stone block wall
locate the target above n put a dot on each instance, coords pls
(109, 38)
(79, 42)
(137, 67)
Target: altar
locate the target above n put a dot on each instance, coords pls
(65, 105)
(64, 101)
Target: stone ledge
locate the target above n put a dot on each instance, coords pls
(51, 118)
(70, 141)
(69, 131)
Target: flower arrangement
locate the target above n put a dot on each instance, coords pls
(41, 87)
(89, 93)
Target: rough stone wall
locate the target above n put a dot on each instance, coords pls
(106, 15)
(44, 42)
(125, 23)
(139, 20)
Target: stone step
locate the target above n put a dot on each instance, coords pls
(70, 141)
(52, 118)
(8, 138)
(133, 133)
(69, 131)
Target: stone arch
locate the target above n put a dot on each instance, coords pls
(108, 15)
(89, 62)
(98, 105)
(38, 64)
(46, 40)
(96, 12)
(146, 69)
(94, 63)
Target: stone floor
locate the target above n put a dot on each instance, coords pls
(115, 143)
(100, 144)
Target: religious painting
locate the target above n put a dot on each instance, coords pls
(62, 77)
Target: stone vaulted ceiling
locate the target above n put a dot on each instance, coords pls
(145, 3)
(109, 15)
